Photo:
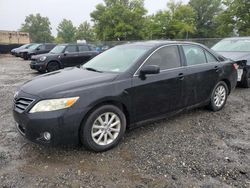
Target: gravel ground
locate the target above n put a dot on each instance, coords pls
(198, 148)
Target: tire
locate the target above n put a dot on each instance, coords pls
(91, 130)
(53, 66)
(219, 96)
(246, 79)
(25, 56)
(41, 71)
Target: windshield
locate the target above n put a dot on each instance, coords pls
(34, 46)
(57, 49)
(117, 59)
(234, 45)
(24, 46)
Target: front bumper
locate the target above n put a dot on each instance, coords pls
(38, 66)
(63, 125)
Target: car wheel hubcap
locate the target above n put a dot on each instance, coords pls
(219, 96)
(106, 128)
(53, 67)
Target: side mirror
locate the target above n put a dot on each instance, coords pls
(150, 69)
(38, 49)
(66, 53)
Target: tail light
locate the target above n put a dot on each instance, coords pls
(235, 66)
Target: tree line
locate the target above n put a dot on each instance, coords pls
(122, 20)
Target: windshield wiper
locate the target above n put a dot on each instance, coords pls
(92, 69)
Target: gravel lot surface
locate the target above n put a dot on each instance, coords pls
(197, 148)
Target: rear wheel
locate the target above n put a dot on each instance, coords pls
(246, 79)
(219, 96)
(103, 128)
(53, 66)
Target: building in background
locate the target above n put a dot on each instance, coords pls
(14, 37)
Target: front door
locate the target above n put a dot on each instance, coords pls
(161, 93)
(70, 57)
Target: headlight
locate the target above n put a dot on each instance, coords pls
(53, 104)
(43, 58)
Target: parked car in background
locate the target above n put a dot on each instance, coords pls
(63, 55)
(16, 51)
(37, 49)
(237, 49)
(119, 88)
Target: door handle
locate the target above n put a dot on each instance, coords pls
(181, 76)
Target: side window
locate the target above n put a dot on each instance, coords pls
(166, 58)
(41, 47)
(194, 55)
(210, 57)
(83, 48)
(49, 46)
(71, 49)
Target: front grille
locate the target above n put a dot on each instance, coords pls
(21, 104)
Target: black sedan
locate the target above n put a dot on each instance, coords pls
(94, 104)
(237, 49)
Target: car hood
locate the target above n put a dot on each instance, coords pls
(24, 50)
(34, 57)
(236, 55)
(65, 82)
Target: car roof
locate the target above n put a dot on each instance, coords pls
(66, 44)
(157, 43)
(237, 38)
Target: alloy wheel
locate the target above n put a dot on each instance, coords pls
(220, 96)
(106, 128)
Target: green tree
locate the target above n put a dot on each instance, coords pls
(66, 31)
(177, 21)
(119, 19)
(206, 13)
(38, 27)
(239, 12)
(183, 20)
(85, 31)
(157, 26)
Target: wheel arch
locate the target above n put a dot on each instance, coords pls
(228, 85)
(113, 102)
(54, 60)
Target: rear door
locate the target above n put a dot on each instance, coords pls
(70, 57)
(203, 71)
(85, 54)
(160, 93)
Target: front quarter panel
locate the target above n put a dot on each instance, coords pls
(116, 91)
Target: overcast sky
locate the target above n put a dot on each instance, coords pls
(13, 12)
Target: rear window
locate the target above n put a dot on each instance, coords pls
(194, 55)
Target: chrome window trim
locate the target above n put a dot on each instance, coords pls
(166, 45)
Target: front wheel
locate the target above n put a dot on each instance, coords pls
(25, 56)
(103, 128)
(53, 66)
(219, 96)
